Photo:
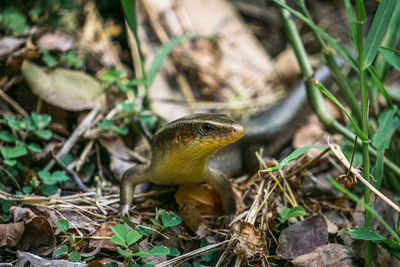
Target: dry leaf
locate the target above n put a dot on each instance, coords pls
(201, 196)
(11, 233)
(8, 45)
(190, 215)
(21, 214)
(76, 218)
(67, 89)
(328, 255)
(38, 237)
(303, 237)
(56, 42)
(251, 242)
(105, 231)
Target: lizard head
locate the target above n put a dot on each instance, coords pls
(193, 139)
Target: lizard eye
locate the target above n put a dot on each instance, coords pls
(206, 128)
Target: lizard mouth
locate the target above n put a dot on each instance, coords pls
(237, 132)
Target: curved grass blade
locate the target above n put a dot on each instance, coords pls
(325, 91)
(390, 56)
(380, 85)
(164, 52)
(378, 29)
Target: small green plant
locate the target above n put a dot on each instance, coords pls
(73, 255)
(69, 59)
(13, 21)
(18, 133)
(163, 220)
(50, 181)
(108, 125)
(126, 238)
(119, 79)
(288, 213)
(5, 210)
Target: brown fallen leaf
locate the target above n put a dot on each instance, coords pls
(68, 89)
(200, 195)
(190, 215)
(8, 44)
(15, 60)
(251, 242)
(38, 237)
(329, 255)
(119, 155)
(303, 237)
(21, 214)
(105, 231)
(56, 42)
(11, 233)
(76, 218)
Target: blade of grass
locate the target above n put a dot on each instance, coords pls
(390, 56)
(381, 141)
(378, 29)
(342, 80)
(129, 7)
(390, 40)
(351, 19)
(381, 87)
(325, 91)
(394, 51)
(164, 52)
(292, 156)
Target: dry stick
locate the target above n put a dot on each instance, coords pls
(14, 104)
(192, 253)
(11, 177)
(27, 198)
(310, 162)
(82, 127)
(339, 154)
(74, 175)
(73, 207)
(251, 216)
(84, 155)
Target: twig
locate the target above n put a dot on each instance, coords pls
(310, 162)
(339, 154)
(84, 155)
(192, 253)
(82, 127)
(11, 177)
(99, 166)
(14, 104)
(74, 175)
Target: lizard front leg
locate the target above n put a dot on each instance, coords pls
(132, 177)
(224, 188)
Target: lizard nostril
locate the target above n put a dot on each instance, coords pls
(237, 128)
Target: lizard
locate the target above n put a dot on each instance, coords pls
(180, 152)
(183, 151)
